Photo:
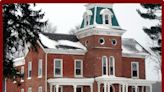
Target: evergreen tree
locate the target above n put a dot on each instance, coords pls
(153, 12)
(21, 25)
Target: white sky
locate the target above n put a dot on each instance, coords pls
(67, 16)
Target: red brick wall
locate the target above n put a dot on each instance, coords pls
(127, 66)
(68, 64)
(35, 82)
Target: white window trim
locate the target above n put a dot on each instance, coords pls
(22, 72)
(113, 66)
(61, 75)
(40, 60)
(28, 71)
(104, 12)
(81, 68)
(61, 87)
(40, 87)
(29, 88)
(137, 69)
(106, 65)
(87, 19)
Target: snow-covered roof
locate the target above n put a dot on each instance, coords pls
(131, 46)
(60, 41)
(19, 61)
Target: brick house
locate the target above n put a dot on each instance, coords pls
(95, 59)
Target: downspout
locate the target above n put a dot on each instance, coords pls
(46, 72)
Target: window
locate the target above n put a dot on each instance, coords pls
(104, 65)
(87, 20)
(111, 65)
(40, 89)
(114, 41)
(134, 69)
(22, 90)
(101, 41)
(40, 68)
(106, 16)
(58, 68)
(106, 19)
(29, 70)
(30, 89)
(78, 68)
(22, 73)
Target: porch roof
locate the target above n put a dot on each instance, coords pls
(123, 80)
(71, 81)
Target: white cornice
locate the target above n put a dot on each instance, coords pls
(91, 30)
(107, 5)
(65, 51)
(134, 55)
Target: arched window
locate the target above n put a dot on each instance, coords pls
(104, 65)
(87, 16)
(106, 16)
(111, 65)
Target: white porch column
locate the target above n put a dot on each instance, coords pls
(150, 88)
(50, 87)
(108, 87)
(142, 90)
(105, 87)
(126, 88)
(74, 88)
(136, 88)
(91, 88)
(123, 87)
(57, 88)
(98, 86)
(119, 87)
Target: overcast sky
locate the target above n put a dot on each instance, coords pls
(67, 16)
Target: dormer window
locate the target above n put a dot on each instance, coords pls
(87, 17)
(106, 16)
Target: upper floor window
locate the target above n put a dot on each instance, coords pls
(30, 89)
(29, 70)
(78, 68)
(111, 65)
(40, 68)
(58, 71)
(22, 90)
(22, 73)
(40, 89)
(134, 69)
(106, 16)
(104, 65)
(87, 17)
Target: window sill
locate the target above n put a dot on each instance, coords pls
(78, 75)
(29, 78)
(39, 76)
(58, 76)
(22, 81)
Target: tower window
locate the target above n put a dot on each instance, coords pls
(114, 41)
(87, 16)
(104, 65)
(101, 41)
(111, 65)
(106, 19)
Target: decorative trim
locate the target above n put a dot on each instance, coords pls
(134, 55)
(107, 5)
(98, 31)
(71, 81)
(62, 51)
